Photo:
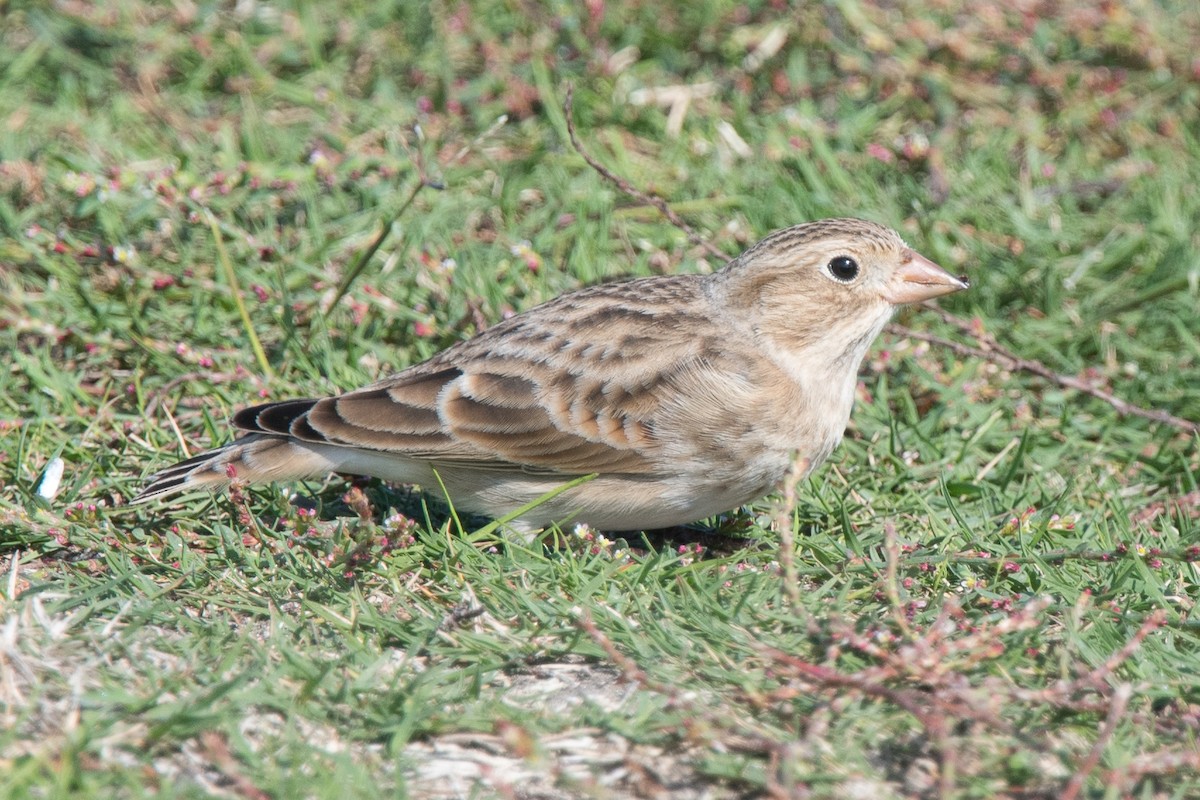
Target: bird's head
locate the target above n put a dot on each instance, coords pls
(829, 285)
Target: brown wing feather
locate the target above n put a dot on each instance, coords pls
(516, 397)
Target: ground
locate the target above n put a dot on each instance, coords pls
(989, 591)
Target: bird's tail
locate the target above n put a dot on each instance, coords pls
(257, 458)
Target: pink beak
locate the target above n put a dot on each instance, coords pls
(919, 279)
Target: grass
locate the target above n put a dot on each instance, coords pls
(997, 573)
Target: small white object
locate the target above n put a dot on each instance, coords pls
(771, 44)
(51, 478)
(733, 140)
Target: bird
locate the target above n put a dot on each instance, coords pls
(667, 400)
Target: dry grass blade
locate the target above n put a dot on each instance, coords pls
(236, 290)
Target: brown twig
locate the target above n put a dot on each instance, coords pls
(998, 354)
(921, 674)
(631, 190)
(1099, 676)
(921, 705)
(630, 671)
(743, 737)
(214, 748)
(1159, 763)
(1116, 710)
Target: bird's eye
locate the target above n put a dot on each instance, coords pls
(843, 269)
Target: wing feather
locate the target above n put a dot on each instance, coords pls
(526, 394)
(271, 417)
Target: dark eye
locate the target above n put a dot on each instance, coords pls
(843, 268)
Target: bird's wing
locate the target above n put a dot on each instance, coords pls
(562, 398)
